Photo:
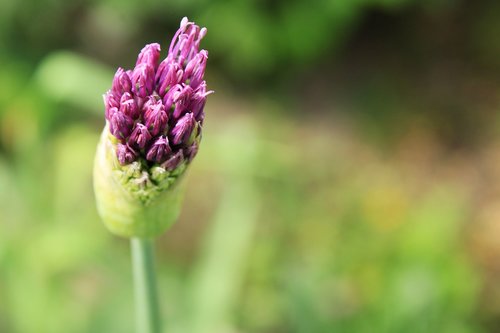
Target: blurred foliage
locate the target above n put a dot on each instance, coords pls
(296, 219)
(250, 39)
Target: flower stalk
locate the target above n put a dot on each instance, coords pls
(146, 299)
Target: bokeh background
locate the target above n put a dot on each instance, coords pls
(348, 180)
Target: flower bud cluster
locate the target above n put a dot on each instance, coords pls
(155, 111)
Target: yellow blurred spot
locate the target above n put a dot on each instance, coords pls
(18, 128)
(385, 207)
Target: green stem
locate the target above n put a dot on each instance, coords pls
(146, 298)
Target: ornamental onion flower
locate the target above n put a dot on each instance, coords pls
(154, 116)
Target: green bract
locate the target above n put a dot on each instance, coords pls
(135, 200)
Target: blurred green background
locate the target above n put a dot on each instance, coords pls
(348, 180)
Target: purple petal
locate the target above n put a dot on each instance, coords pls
(140, 136)
(110, 112)
(185, 130)
(191, 151)
(186, 41)
(159, 151)
(184, 23)
(120, 125)
(173, 161)
(143, 78)
(128, 106)
(155, 117)
(125, 154)
(198, 101)
(195, 69)
(182, 100)
(168, 99)
(170, 76)
(110, 101)
(121, 82)
(150, 54)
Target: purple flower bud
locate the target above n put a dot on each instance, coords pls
(120, 125)
(143, 78)
(159, 150)
(184, 23)
(198, 101)
(128, 106)
(110, 101)
(155, 117)
(169, 74)
(192, 44)
(186, 41)
(191, 151)
(150, 54)
(187, 47)
(161, 71)
(140, 136)
(195, 69)
(110, 112)
(140, 102)
(148, 103)
(121, 82)
(185, 131)
(173, 161)
(174, 43)
(168, 99)
(197, 107)
(203, 32)
(125, 154)
(181, 99)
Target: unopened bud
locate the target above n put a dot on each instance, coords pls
(121, 82)
(159, 150)
(125, 154)
(150, 54)
(140, 136)
(143, 79)
(174, 161)
(155, 118)
(184, 132)
(120, 125)
(129, 106)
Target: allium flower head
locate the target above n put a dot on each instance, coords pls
(154, 117)
(157, 96)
